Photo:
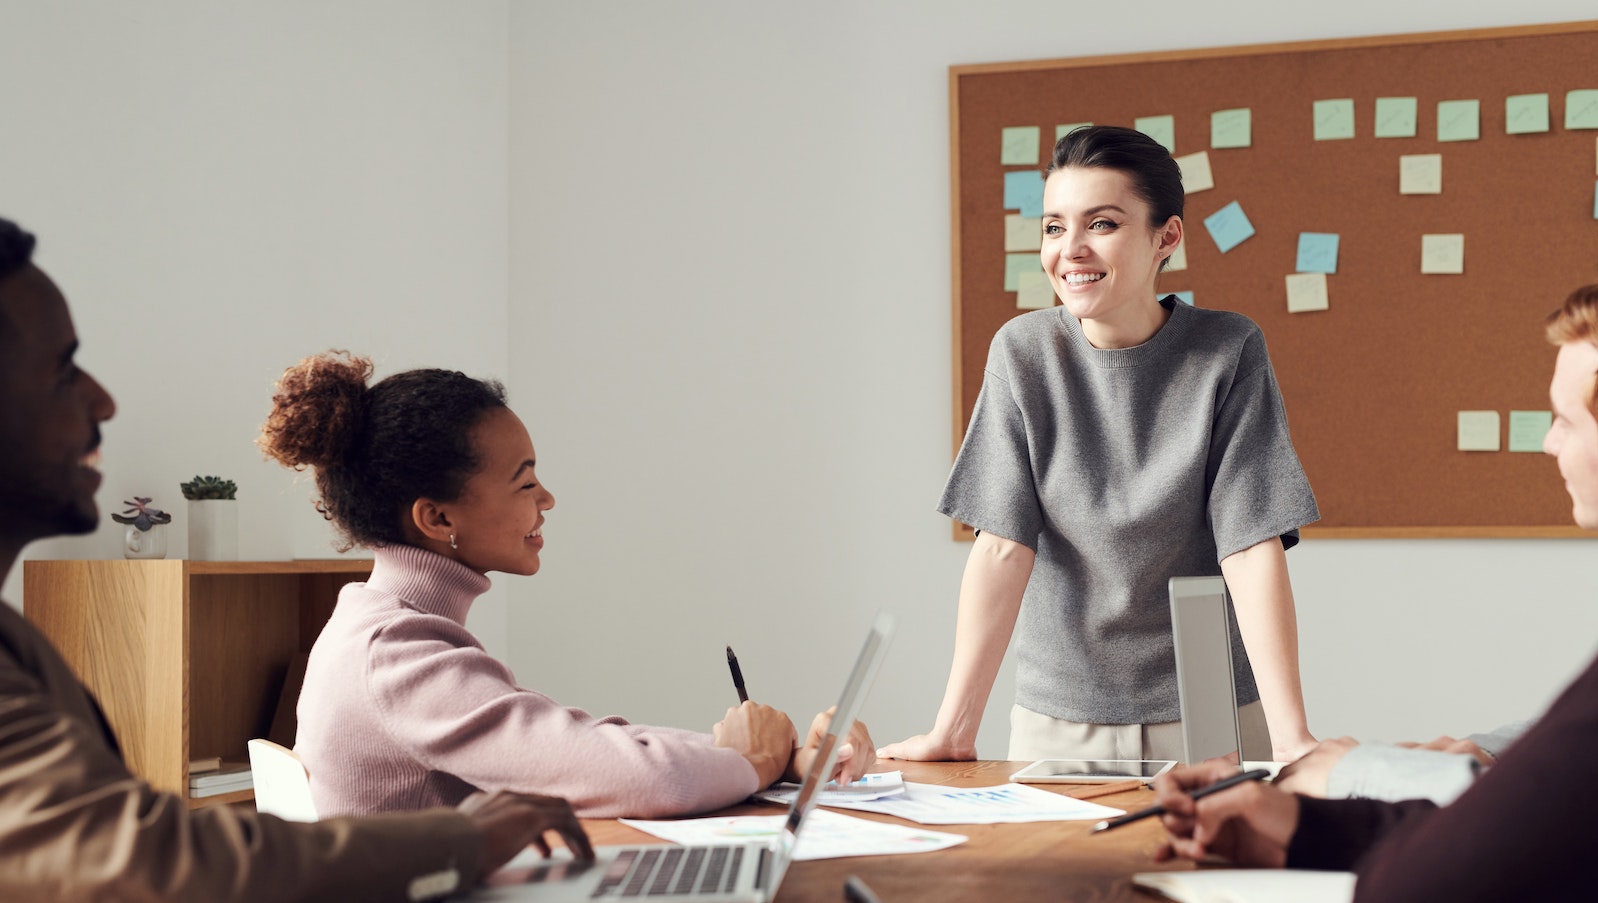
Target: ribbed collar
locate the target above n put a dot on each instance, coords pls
(1137, 355)
(427, 581)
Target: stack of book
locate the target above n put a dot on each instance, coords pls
(209, 777)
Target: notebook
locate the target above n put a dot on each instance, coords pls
(749, 872)
(1204, 681)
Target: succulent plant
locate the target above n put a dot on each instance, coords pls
(141, 514)
(208, 488)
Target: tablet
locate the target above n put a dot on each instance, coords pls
(1091, 771)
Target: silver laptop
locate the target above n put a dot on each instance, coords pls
(1200, 631)
(732, 872)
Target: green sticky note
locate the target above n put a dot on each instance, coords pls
(1160, 128)
(1395, 117)
(1015, 265)
(1020, 147)
(1527, 429)
(1334, 119)
(1581, 109)
(1525, 114)
(1060, 131)
(1458, 120)
(1232, 128)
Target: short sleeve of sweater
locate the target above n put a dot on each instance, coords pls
(991, 486)
(1257, 485)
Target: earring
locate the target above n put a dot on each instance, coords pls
(452, 541)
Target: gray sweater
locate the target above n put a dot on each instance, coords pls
(1123, 468)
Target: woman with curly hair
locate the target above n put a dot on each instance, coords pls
(402, 708)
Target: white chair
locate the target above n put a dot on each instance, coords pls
(282, 785)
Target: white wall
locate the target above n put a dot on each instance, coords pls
(731, 330)
(707, 243)
(222, 189)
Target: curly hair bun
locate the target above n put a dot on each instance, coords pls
(317, 410)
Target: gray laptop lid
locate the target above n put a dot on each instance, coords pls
(1204, 681)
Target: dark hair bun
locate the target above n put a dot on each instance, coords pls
(317, 410)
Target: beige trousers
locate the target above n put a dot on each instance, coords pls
(1037, 736)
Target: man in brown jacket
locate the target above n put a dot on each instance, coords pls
(74, 823)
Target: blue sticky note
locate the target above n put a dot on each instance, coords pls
(1334, 119)
(1184, 297)
(1024, 191)
(1317, 252)
(1229, 226)
(1015, 265)
(1581, 109)
(1458, 120)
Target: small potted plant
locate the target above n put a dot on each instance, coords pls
(213, 518)
(146, 534)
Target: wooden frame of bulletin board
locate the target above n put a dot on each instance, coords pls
(1375, 383)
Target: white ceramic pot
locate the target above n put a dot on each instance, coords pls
(149, 543)
(213, 530)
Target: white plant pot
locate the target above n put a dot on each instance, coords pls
(213, 530)
(149, 543)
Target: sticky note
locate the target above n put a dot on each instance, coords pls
(1033, 291)
(1334, 119)
(1185, 298)
(1160, 128)
(1317, 252)
(1442, 254)
(1020, 146)
(1420, 174)
(1022, 233)
(1395, 117)
(1525, 114)
(1178, 259)
(1232, 128)
(1305, 292)
(1015, 265)
(1060, 131)
(1229, 226)
(1527, 429)
(1581, 109)
(1478, 431)
(1458, 120)
(1023, 191)
(1196, 175)
(1595, 201)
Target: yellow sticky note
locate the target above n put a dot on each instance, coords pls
(1178, 259)
(1420, 174)
(1022, 233)
(1525, 114)
(1196, 175)
(1060, 131)
(1033, 291)
(1478, 431)
(1232, 128)
(1305, 292)
(1442, 254)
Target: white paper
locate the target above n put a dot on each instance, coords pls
(873, 786)
(826, 835)
(935, 804)
(1250, 885)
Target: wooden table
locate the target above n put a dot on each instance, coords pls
(1013, 863)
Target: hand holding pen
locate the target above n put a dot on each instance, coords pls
(1247, 822)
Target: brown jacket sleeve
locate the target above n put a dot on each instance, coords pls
(75, 825)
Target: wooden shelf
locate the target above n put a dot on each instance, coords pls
(187, 658)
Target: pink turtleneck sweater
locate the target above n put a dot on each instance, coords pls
(403, 709)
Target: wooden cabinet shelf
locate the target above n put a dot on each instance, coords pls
(187, 658)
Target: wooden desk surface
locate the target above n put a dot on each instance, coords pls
(1014, 863)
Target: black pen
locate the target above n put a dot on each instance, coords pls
(1255, 775)
(737, 675)
(855, 891)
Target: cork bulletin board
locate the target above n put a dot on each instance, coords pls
(1375, 382)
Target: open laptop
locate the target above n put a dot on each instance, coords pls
(1204, 680)
(749, 872)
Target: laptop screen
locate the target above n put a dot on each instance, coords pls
(1201, 634)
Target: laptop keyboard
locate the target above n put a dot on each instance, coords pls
(671, 871)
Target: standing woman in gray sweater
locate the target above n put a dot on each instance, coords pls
(1119, 440)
